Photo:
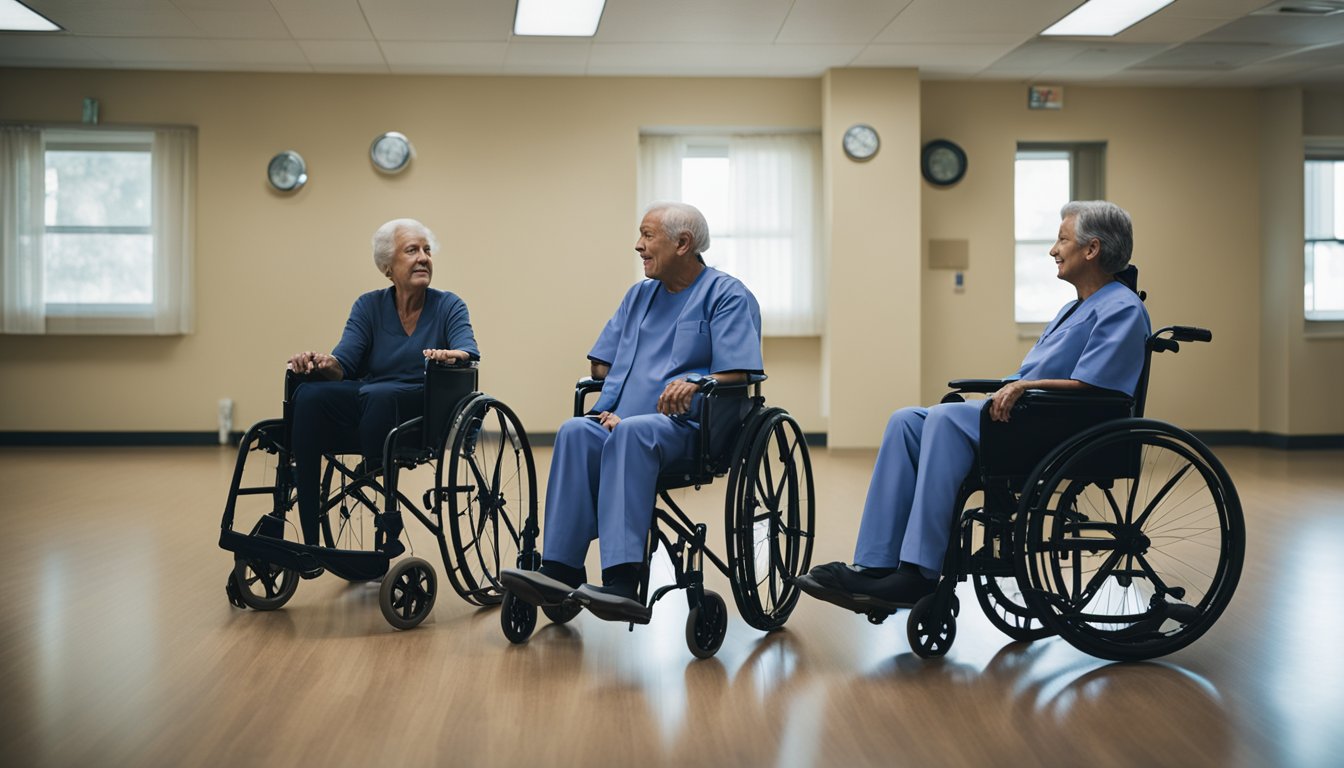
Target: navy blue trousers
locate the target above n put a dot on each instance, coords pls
(343, 417)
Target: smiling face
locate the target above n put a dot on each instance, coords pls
(662, 255)
(1073, 260)
(412, 264)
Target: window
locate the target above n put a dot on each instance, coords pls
(761, 197)
(101, 238)
(1045, 177)
(1323, 292)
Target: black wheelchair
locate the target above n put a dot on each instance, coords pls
(480, 503)
(768, 520)
(1123, 535)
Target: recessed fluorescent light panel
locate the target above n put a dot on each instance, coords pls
(558, 18)
(17, 17)
(1103, 18)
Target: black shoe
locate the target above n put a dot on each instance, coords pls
(608, 605)
(849, 588)
(535, 587)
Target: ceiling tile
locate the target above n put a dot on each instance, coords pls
(21, 50)
(535, 56)
(707, 59)
(464, 57)
(130, 23)
(263, 25)
(838, 21)
(255, 53)
(362, 54)
(1212, 56)
(1280, 31)
(1212, 9)
(163, 50)
(442, 20)
(961, 57)
(1168, 29)
(324, 19)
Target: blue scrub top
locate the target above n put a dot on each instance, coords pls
(375, 348)
(655, 337)
(1101, 343)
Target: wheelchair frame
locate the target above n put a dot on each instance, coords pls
(1022, 467)
(449, 432)
(736, 429)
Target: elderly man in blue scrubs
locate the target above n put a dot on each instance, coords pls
(685, 326)
(374, 379)
(1095, 342)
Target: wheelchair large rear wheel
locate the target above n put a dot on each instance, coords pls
(1132, 539)
(770, 518)
(487, 497)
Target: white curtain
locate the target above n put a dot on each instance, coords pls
(22, 186)
(659, 169)
(775, 223)
(174, 175)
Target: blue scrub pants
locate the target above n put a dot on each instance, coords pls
(603, 485)
(343, 417)
(925, 455)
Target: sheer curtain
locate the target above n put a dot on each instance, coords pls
(774, 219)
(21, 227)
(174, 173)
(769, 235)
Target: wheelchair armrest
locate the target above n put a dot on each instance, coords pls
(582, 388)
(1041, 420)
(965, 386)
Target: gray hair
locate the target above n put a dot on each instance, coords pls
(679, 219)
(385, 241)
(1109, 225)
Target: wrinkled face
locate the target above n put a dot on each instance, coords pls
(659, 252)
(1070, 256)
(412, 266)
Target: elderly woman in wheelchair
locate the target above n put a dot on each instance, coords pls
(687, 336)
(1067, 536)
(402, 373)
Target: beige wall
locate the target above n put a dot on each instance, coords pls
(529, 183)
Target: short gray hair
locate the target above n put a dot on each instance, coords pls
(385, 241)
(681, 218)
(1108, 224)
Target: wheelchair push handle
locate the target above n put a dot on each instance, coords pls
(1159, 342)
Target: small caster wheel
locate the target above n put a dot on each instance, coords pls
(517, 618)
(930, 631)
(706, 625)
(261, 585)
(407, 594)
(563, 613)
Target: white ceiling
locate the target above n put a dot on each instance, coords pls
(1190, 42)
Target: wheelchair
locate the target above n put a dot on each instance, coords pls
(1122, 534)
(481, 502)
(769, 517)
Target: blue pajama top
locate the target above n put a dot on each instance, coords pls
(1101, 343)
(655, 337)
(375, 348)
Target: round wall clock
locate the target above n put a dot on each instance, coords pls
(391, 152)
(861, 142)
(942, 162)
(287, 171)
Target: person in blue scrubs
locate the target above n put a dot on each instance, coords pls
(687, 326)
(373, 380)
(1095, 342)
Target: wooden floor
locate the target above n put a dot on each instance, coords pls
(118, 647)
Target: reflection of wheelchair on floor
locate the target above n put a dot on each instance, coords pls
(1122, 534)
(768, 520)
(481, 505)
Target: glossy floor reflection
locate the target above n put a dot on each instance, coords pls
(119, 648)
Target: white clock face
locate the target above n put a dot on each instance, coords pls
(861, 142)
(391, 152)
(287, 171)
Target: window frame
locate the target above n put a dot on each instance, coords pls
(76, 140)
(1087, 181)
(1328, 149)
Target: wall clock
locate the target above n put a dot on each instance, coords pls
(391, 152)
(287, 172)
(942, 162)
(861, 142)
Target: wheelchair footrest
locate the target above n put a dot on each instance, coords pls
(349, 564)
